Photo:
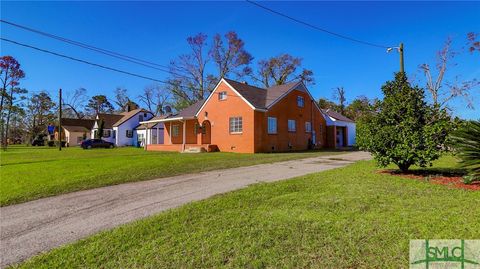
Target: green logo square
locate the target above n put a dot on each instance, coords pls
(441, 253)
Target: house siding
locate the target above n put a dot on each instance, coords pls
(219, 113)
(287, 109)
(121, 130)
(254, 136)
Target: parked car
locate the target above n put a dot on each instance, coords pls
(38, 141)
(96, 143)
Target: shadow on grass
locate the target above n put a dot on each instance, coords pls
(425, 172)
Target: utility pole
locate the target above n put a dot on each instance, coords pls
(400, 51)
(60, 119)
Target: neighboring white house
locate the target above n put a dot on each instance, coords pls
(120, 128)
(342, 128)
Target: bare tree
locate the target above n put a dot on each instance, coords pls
(280, 70)
(231, 57)
(74, 102)
(155, 98)
(442, 91)
(122, 100)
(195, 84)
(473, 42)
(339, 95)
(190, 79)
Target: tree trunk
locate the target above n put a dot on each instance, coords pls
(7, 124)
(404, 167)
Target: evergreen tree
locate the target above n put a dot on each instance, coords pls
(405, 130)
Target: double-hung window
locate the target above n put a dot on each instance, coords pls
(175, 130)
(272, 125)
(308, 126)
(222, 96)
(292, 126)
(300, 101)
(129, 133)
(236, 125)
(106, 133)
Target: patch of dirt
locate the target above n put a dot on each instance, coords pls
(453, 180)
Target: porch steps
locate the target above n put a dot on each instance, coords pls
(194, 150)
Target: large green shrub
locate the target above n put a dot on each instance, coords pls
(404, 130)
(466, 142)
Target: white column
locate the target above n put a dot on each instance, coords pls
(158, 134)
(146, 137)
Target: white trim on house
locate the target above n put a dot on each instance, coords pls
(294, 87)
(235, 91)
(167, 119)
(351, 128)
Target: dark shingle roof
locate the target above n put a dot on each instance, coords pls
(127, 115)
(190, 111)
(275, 92)
(258, 97)
(109, 119)
(82, 123)
(254, 95)
(336, 115)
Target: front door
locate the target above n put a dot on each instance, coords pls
(206, 132)
(340, 137)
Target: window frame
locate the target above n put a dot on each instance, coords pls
(105, 132)
(175, 130)
(294, 130)
(309, 124)
(270, 128)
(129, 133)
(222, 96)
(237, 127)
(300, 101)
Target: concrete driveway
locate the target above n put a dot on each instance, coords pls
(33, 227)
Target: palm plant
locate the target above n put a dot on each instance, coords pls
(466, 142)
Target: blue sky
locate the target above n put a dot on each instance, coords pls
(156, 31)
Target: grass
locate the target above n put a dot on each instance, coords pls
(29, 173)
(349, 217)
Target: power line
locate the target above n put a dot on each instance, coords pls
(97, 49)
(87, 62)
(316, 27)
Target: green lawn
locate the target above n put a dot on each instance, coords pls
(29, 173)
(350, 217)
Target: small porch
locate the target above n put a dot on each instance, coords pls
(181, 134)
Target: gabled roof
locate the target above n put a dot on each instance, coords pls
(336, 115)
(79, 123)
(76, 128)
(258, 98)
(190, 111)
(276, 92)
(254, 95)
(261, 98)
(109, 119)
(186, 113)
(128, 115)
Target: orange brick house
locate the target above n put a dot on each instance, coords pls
(237, 117)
